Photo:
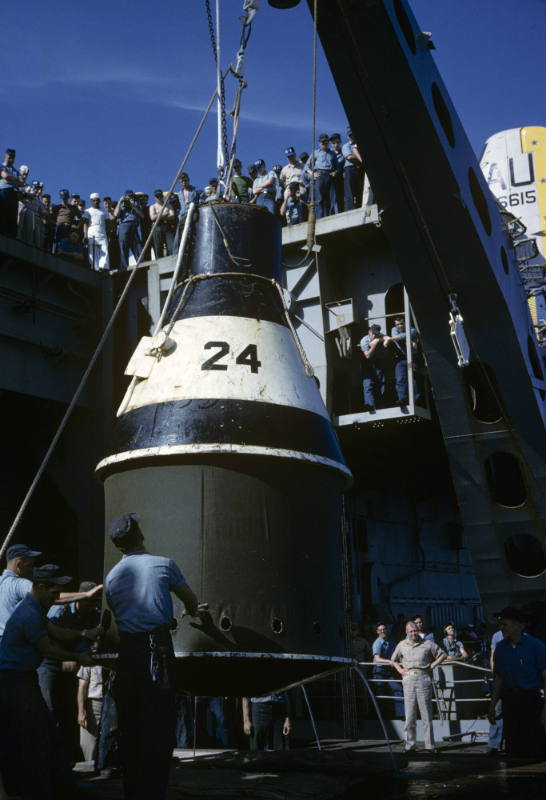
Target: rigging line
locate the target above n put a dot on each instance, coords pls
(220, 88)
(102, 341)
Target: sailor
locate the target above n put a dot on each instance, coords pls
(353, 175)
(241, 185)
(454, 648)
(128, 215)
(337, 184)
(520, 674)
(94, 223)
(382, 650)
(398, 342)
(415, 659)
(10, 180)
(264, 188)
(15, 583)
(162, 236)
(324, 169)
(30, 745)
(267, 721)
(422, 630)
(138, 590)
(374, 363)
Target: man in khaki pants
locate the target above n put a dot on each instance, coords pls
(415, 658)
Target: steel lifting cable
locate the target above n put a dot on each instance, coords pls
(102, 341)
(220, 89)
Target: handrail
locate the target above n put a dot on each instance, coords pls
(452, 662)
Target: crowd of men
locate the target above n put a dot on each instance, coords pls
(403, 671)
(106, 238)
(50, 684)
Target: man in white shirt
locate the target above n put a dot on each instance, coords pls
(94, 220)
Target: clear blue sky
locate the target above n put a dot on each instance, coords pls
(106, 96)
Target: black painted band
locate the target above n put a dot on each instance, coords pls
(242, 422)
(233, 296)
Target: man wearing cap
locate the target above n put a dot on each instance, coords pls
(94, 226)
(520, 674)
(138, 591)
(291, 172)
(323, 169)
(15, 583)
(292, 208)
(375, 360)
(65, 216)
(128, 216)
(264, 187)
(30, 745)
(415, 659)
(10, 181)
(353, 174)
(337, 183)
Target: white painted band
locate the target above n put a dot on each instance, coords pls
(199, 449)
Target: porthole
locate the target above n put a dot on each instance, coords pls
(534, 359)
(480, 201)
(504, 261)
(482, 392)
(505, 479)
(405, 25)
(226, 624)
(442, 112)
(525, 555)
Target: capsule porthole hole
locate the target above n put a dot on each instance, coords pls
(277, 625)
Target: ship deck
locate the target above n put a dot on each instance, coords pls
(344, 769)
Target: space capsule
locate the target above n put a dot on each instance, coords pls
(225, 449)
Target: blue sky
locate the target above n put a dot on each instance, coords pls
(106, 97)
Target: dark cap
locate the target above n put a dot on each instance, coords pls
(158, 193)
(324, 137)
(259, 162)
(129, 192)
(21, 551)
(511, 613)
(335, 136)
(277, 168)
(293, 185)
(289, 151)
(64, 193)
(375, 328)
(50, 573)
(10, 151)
(124, 526)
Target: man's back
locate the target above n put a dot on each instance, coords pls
(138, 591)
(13, 589)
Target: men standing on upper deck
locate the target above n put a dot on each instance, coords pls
(291, 172)
(264, 187)
(128, 214)
(10, 180)
(338, 204)
(138, 590)
(415, 659)
(520, 675)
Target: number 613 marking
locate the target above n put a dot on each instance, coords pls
(247, 357)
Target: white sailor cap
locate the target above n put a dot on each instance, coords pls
(94, 196)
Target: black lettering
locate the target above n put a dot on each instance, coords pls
(531, 178)
(223, 350)
(249, 358)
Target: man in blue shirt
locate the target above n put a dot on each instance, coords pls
(292, 208)
(264, 187)
(15, 583)
(324, 168)
(398, 344)
(30, 746)
(376, 359)
(520, 674)
(337, 183)
(128, 215)
(267, 721)
(424, 634)
(138, 590)
(382, 650)
(10, 180)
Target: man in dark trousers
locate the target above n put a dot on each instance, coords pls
(30, 747)
(138, 590)
(520, 674)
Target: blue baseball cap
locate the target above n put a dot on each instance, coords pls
(64, 193)
(259, 163)
(290, 151)
(10, 151)
(21, 551)
(375, 328)
(123, 526)
(50, 573)
(324, 137)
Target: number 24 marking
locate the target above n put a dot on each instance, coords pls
(247, 357)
